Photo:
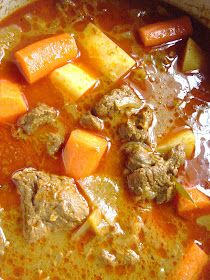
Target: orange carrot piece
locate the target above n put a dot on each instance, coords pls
(189, 210)
(40, 58)
(82, 153)
(165, 31)
(190, 265)
(12, 102)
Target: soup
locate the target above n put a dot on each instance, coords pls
(104, 150)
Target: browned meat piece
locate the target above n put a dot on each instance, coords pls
(137, 156)
(176, 158)
(136, 128)
(49, 203)
(54, 142)
(40, 115)
(91, 122)
(122, 100)
(151, 176)
(129, 132)
(145, 118)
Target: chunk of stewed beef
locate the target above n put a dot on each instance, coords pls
(130, 132)
(91, 122)
(136, 128)
(54, 142)
(49, 203)
(150, 176)
(137, 156)
(122, 100)
(39, 116)
(144, 118)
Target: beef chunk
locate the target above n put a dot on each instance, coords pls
(145, 118)
(152, 182)
(176, 158)
(137, 156)
(49, 203)
(136, 128)
(130, 132)
(150, 175)
(54, 142)
(40, 115)
(91, 122)
(122, 100)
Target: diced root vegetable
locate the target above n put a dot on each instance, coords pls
(102, 193)
(184, 137)
(105, 55)
(83, 153)
(165, 31)
(12, 102)
(194, 58)
(71, 81)
(40, 58)
(190, 265)
(189, 210)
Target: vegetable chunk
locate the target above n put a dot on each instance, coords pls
(12, 102)
(193, 57)
(162, 32)
(71, 81)
(83, 153)
(40, 58)
(103, 194)
(104, 54)
(184, 137)
(191, 264)
(189, 210)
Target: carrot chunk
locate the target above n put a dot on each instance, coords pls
(165, 31)
(189, 210)
(40, 58)
(12, 102)
(190, 265)
(83, 153)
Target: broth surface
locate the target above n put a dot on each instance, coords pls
(178, 100)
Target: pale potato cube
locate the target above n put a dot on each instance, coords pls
(194, 58)
(71, 81)
(106, 56)
(184, 137)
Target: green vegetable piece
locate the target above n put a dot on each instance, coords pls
(182, 191)
(204, 221)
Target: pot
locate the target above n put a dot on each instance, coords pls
(199, 9)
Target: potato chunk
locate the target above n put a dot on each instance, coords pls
(184, 137)
(193, 57)
(105, 55)
(72, 81)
